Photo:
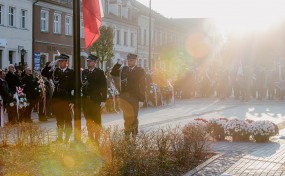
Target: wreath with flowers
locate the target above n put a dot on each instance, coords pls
(21, 99)
(41, 86)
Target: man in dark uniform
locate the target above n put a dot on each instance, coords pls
(132, 94)
(94, 90)
(62, 99)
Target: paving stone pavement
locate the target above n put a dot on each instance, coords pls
(245, 159)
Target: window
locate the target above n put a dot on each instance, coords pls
(57, 23)
(44, 21)
(11, 16)
(118, 37)
(139, 37)
(68, 25)
(119, 11)
(132, 39)
(155, 38)
(145, 63)
(23, 18)
(106, 6)
(159, 38)
(140, 63)
(81, 29)
(163, 38)
(1, 14)
(125, 38)
(144, 36)
(129, 14)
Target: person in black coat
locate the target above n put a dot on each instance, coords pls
(4, 93)
(62, 98)
(13, 82)
(12, 79)
(132, 94)
(30, 88)
(94, 90)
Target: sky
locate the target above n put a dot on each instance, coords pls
(218, 8)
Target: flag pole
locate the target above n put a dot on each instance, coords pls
(76, 61)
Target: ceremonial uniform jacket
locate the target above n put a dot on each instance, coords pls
(94, 85)
(63, 82)
(133, 82)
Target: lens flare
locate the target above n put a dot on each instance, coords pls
(197, 45)
(68, 161)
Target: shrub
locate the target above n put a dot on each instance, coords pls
(262, 130)
(237, 129)
(196, 137)
(216, 128)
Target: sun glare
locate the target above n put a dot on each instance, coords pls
(246, 24)
(250, 16)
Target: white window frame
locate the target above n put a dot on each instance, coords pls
(81, 28)
(12, 13)
(44, 21)
(23, 19)
(1, 14)
(68, 25)
(57, 23)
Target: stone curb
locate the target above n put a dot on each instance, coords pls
(204, 164)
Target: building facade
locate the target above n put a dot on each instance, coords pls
(16, 32)
(53, 31)
(52, 24)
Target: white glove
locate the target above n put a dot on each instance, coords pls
(141, 104)
(53, 63)
(121, 61)
(102, 104)
(71, 105)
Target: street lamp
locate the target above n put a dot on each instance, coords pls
(23, 52)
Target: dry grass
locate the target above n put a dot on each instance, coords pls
(26, 149)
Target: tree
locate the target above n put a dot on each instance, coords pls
(103, 47)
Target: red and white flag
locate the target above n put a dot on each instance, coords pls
(92, 21)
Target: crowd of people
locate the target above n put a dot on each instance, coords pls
(242, 83)
(122, 88)
(51, 94)
(22, 92)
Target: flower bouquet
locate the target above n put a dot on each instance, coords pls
(41, 88)
(237, 129)
(22, 100)
(217, 128)
(263, 130)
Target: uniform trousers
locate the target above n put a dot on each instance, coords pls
(63, 116)
(130, 107)
(92, 113)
